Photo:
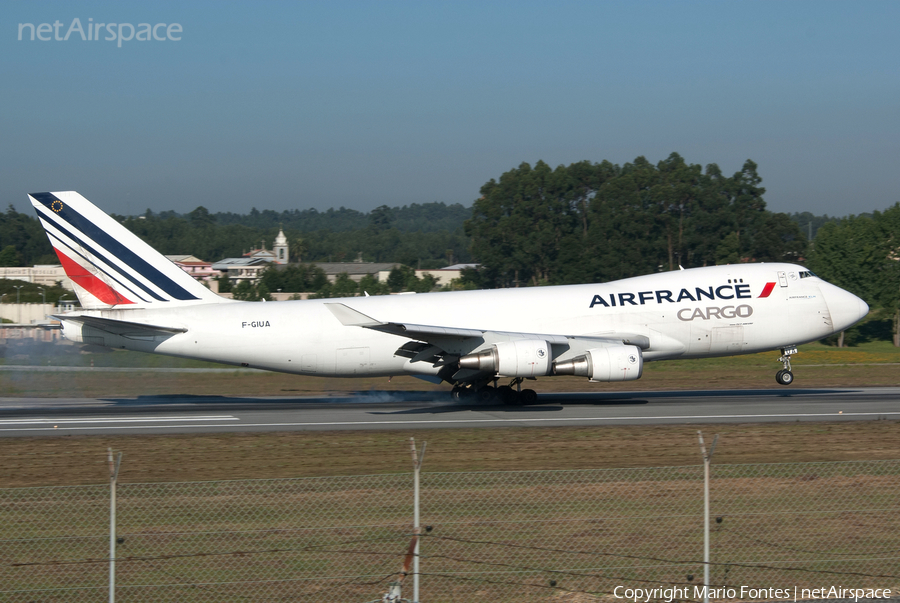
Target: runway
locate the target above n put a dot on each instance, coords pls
(424, 410)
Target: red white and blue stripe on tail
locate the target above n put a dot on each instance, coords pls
(108, 264)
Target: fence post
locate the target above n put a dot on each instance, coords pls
(706, 460)
(113, 476)
(417, 466)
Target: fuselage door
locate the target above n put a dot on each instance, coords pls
(782, 278)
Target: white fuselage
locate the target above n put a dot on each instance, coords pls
(754, 307)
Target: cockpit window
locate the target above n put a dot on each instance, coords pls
(806, 274)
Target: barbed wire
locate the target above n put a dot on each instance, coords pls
(663, 560)
(548, 571)
(237, 553)
(519, 584)
(470, 450)
(775, 545)
(327, 548)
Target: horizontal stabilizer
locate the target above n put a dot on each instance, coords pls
(121, 327)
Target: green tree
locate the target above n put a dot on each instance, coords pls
(30, 293)
(886, 288)
(399, 277)
(370, 285)
(245, 291)
(201, 218)
(729, 249)
(10, 257)
(380, 219)
(225, 285)
(849, 254)
(747, 205)
(24, 233)
(344, 286)
(778, 239)
(519, 224)
(425, 284)
(598, 222)
(297, 249)
(862, 254)
(469, 280)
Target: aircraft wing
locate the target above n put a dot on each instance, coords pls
(445, 345)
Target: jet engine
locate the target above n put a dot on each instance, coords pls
(520, 358)
(73, 331)
(614, 363)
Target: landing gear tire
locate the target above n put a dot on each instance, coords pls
(528, 396)
(460, 393)
(784, 377)
(486, 394)
(508, 395)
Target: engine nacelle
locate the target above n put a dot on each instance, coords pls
(520, 358)
(79, 332)
(72, 330)
(614, 363)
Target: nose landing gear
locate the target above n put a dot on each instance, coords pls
(785, 376)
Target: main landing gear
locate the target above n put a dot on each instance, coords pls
(785, 376)
(509, 395)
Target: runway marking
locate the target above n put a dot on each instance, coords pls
(116, 420)
(468, 421)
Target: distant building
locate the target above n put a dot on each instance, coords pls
(443, 276)
(254, 262)
(12, 334)
(45, 275)
(242, 269)
(282, 252)
(382, 270)
(279, 255)
(355, 270)
(197, 268)
(29, 314)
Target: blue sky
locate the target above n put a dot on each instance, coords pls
(284, 105)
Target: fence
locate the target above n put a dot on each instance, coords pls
(498, 536)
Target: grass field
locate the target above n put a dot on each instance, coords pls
(71, 460)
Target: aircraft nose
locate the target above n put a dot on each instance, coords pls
(845, 308)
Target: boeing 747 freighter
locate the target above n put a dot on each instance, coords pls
(133, 298)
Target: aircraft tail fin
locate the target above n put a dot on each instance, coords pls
(109, 265)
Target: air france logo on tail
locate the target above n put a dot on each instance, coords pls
(107, 263)
(81, 277)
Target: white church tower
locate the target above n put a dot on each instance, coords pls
(282, 255)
